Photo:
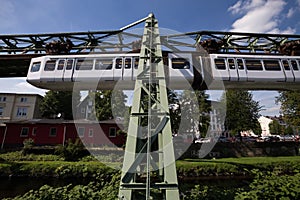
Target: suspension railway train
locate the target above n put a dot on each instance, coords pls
(213, 71)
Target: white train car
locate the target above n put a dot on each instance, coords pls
(255, 71)
(102, 71)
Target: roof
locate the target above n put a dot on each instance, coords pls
(21, 94)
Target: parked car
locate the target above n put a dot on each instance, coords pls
(203, 140)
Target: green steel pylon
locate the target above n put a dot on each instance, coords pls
(149, 161)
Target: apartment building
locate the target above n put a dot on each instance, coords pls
(15, 107)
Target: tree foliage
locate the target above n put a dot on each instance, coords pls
(290, 106)
(59, 102)
(242, 111)
(110, 104)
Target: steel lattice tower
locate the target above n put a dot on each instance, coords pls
(149, 148)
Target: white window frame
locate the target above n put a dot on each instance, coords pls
(91, 132)
(22, 111)
(22, 130)
(110, 132)
(80, 131)
(50, 132)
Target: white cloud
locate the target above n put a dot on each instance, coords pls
(258, 15)
(18, 85)
(290, 12)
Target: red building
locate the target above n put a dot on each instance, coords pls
(56, 131)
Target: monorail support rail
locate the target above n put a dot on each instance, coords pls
(149, 147)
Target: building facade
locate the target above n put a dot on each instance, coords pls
(19, 107)
(56, 131)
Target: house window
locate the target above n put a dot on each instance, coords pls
(34, 131)
(81, 131)
(91, 132)
(24, 132)
(53, 132)
(82, 110)
(1, 111)
(112, 132)
(3, 99)
(21, 112)
(23, 99)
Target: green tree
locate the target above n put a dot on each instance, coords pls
(290, 106)
(59, 102)
(242, 111)
(110, 104)
(276, 128)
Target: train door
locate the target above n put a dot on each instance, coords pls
(289, 76)
(241, 70)
(219, 69)
(60, 68)
(118, 68)
(232, 69)
(68, 72)
(127, 69)
(295, 67)
(135, 65)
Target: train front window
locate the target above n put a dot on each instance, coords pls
(84, 64)
(50, 65)
(127, 63)
(294, 64)
(231, 63)
(69, 64)
(180, 63)
(118, 64)
(103, 64)
(286, 65)
(220, 63)
(272, 65)
(61, 64)
(240, 64)
(254, 65)
(35, 67)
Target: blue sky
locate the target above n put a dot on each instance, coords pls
(37, 16)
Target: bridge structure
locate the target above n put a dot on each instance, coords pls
(149, 149)
(17, 50)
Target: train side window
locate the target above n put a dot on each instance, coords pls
(118, 64)
(294, 64)
(136, 62)
(61, 64)
(180, 63)
(286, 65)
(104, 64)
(240, 64)
(35, 67)
(127, 63)
(253, 65)
(231, 64)
(69, 64)
(50, 65)
(220, 63)
(84, 64)
(272, 65)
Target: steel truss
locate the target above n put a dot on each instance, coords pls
(149, 161)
